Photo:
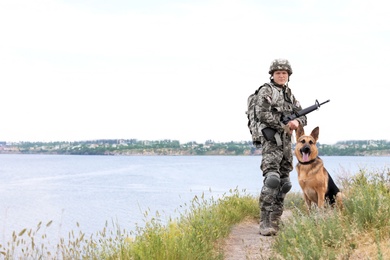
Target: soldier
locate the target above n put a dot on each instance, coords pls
(275, 100)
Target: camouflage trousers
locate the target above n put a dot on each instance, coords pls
(277, 158)
(278, 162)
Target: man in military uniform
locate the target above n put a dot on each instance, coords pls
(275, 100)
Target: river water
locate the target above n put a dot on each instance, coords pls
(90, 190)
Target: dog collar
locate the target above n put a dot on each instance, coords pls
(309, 162)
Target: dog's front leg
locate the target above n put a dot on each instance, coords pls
(321, 199)
(307, 202)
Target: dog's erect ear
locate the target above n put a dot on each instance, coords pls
(299, 131)
(315, 133)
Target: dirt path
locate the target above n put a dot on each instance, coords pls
(245, 242)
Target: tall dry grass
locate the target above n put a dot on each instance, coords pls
(195, 234)
(360, 231)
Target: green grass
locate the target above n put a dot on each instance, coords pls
(360, 231)
(196, 234)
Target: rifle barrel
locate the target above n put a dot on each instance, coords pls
(303, 112)
(324, 102)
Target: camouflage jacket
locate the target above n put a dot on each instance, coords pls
(275, 101)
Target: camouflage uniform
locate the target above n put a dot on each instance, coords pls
(273, 102)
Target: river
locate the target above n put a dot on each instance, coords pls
(90, 190)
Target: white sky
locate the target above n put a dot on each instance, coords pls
(182, 70)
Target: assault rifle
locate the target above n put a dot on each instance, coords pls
(269, 133)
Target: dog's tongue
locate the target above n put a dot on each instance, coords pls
(305, 157)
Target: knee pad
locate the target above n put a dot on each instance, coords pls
(272, 180)
(285, 185)
(269, 191)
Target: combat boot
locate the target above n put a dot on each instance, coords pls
(266, 228)
(278, 206)
(275, 217)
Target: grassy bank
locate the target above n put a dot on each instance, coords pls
(360, 231)
(195, 234)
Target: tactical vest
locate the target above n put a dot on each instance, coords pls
(280, 101)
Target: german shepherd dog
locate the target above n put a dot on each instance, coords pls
(317, 185)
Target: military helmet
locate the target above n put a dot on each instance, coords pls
(280, 64)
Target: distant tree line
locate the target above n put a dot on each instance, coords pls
(174, 147)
